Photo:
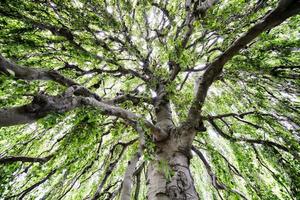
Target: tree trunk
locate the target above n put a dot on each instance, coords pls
(169, 176)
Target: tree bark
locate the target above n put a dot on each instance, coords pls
(169, 176)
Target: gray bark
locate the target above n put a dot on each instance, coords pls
(163, 113)
(41, 106)
(26, 73)
(128, 178)
(169, 176)
(131, 169)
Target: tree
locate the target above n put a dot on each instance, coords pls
(149, 99)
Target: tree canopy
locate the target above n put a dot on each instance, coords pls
(91, 91)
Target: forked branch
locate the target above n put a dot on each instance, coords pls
(284, 10)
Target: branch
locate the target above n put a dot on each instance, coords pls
(40, 106)
(22, 194)
(131, 169)
(86, 167)
(284, 10)
(130, 97)
(119, 71)
(251, 141)
(277, 69)
(229, 115)
(127, 115)
(138, 181)
(111, 166)
(204, 6)
(110, 195)
(286, 71)
(275, 176)
(11, 69)
(128, 177)
(43, 105)
(214, 179)
(11, 159)
(164, 10)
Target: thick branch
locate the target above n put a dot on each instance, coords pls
(128, 177)
(138, 181)
(41, 106)
(26, 73)
(284, 10)
(129, 116)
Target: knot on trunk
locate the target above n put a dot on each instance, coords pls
(178, 186)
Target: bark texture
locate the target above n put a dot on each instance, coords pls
(169, 176)
(40, 106)
(128, 178)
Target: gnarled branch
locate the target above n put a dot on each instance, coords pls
(40, 106)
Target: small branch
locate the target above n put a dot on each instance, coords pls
(273, 173)
(241, 115)
(292, 72)
(205, 5)
(22, 194)
(130, 97)
(111, 195)
(11, 159)
(164, 10)
(214, 179)
(275, 70)
(251, 141)
(110, 168)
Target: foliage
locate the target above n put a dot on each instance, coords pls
(113, 48)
